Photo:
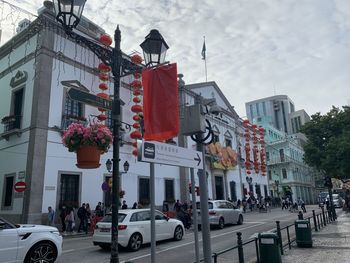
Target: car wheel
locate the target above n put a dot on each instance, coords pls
(105, 247)
(240, 220)
(221, 223)
(42, 252)
(178, 233)
(135, 242)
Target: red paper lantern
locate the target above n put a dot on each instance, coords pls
(104, 68)
(136, 100)
(254, 126)
(137, 75)
(103, 86)
(246, 121)
(103, 95)
(134, 144)
(136, 125)
(137, 59)
(136, 108)
(102, 117)
(135, 152)
(101, 109)
(106, 40)
(248, 172)
(135, 135)
(136, 92)
(103, 76)
(136, 117)
(136, 84)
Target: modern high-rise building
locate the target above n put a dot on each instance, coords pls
(278, 108)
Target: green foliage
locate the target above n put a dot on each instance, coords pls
(328, 146)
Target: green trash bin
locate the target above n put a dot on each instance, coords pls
(303, 233)
(269, 249)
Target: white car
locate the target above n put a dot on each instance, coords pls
(221, 213)
(134, 229)
(29, 243)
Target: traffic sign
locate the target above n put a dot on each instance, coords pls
(89, 99)
(105, 187)
(20, 187)
(163, 153)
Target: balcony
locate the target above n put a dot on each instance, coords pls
(12, 125)
(276, 160)
(69, 119)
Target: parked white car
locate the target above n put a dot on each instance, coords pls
(221, 213)
(29, 243)
(134, 229)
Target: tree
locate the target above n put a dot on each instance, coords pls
(328, 145)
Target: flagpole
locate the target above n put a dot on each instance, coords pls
(204, 56)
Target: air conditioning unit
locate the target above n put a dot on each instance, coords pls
(22, 25)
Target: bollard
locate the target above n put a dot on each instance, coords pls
(257, 251)
(327, 218)
(324, 217)
(300, 215)
(322, 223)
(279, 235)
(314, 216)
(318, 221)
(240, 247)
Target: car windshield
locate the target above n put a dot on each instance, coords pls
(8, 224)
(108, 218)
(210, 205)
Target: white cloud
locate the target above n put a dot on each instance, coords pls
(297, 48)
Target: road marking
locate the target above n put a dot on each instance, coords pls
(189, 243)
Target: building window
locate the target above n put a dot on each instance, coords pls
(228, 142)
(267, 156)
(265, 190)
(284, 173)
(257, 109)
(8, 191)
(282, 155)
(269, 174)
(144, 197)
(258, 190)
(69, 190)
(233, 191)
(169, 190)
(264, 108)
(73, 112)
(251, 111)
(216, 138)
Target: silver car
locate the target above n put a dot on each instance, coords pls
(221, 213)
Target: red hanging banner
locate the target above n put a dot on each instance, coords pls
(160, 102)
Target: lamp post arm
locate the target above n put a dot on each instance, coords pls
(105, 54)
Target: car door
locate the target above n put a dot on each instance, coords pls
(8, 242)
(233, 213)
(144, 225)
(163, 227)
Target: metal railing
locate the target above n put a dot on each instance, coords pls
(286, 236)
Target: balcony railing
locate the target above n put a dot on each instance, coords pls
(12, 125)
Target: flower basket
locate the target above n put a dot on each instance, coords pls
(88, 157)
(88, 142)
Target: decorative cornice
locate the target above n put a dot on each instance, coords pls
(20, 78)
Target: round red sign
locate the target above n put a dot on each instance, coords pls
(20, 187)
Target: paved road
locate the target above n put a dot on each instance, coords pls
(81, 248)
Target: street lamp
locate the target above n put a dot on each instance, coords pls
(68, 13)
(109, 166)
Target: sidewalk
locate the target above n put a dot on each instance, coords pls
(330, 244)
(75, 234)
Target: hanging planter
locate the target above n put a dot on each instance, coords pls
(88, 143)
(88, 157)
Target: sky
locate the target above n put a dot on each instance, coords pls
(254, 48)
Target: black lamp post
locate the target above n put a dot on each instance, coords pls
(68, 13)
(277, 187)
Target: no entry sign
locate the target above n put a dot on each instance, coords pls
(20, 187)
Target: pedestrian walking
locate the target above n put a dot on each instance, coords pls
(88, 217)
(124, 206)
(70, 220)
(82, 215)
(63, 214)
(51, 216)
(98, 210)
(134, 206)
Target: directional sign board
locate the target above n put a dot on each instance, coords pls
(89, 99)
(20, 187)
(163, 153)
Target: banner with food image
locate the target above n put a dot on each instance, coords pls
(223, 158)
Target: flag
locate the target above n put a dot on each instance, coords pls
(160, 102)
(203, 50)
